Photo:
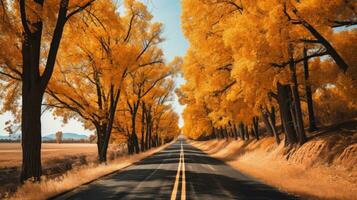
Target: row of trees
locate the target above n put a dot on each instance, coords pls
(88, 61)
(283, 63)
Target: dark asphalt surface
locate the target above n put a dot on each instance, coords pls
(154, 178)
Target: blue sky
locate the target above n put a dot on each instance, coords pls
(168, 12)
(165, 11)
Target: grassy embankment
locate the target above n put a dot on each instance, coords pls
(325, 167)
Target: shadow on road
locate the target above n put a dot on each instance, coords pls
(153, 178)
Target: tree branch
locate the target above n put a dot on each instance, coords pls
(79, 9)
(10, 76)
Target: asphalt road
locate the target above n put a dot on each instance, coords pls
(180, 171)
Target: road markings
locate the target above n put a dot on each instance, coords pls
(177, 180)
(209, 166)
(183, 188)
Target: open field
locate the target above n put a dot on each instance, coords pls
(11, 152)
(56, 160)
(50, 187)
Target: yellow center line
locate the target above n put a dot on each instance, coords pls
(177, 180)
(183, 189)
(174, 190)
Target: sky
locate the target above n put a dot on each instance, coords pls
(165, 11)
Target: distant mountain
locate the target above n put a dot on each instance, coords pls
(15, 136)
(50, 137)
(4, 137)
(65, 136)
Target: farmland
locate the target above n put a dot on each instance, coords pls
(11, 152)
(56, 160)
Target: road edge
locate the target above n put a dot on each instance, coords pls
(70, 192)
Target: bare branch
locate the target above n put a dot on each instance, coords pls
(217, 92)
(79, 9)
(284, 64)
(10, 76)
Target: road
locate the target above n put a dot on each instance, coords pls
(180, 171)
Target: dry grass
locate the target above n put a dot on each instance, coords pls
(11, 153)
(75, 177)
(56, 159)
(323, 168)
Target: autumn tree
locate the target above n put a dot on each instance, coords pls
(36, 30)
(269, 49)
(119, 45)
(59, 137)
(140, 83)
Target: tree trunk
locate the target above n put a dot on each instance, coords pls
(272, 115)
(226, 133)
(256, 127)
(235, 132)
(130, 144)
(32, 94)
(143, 127)
(297, 104)
(271, 121)
(284, 92)
(150, 133)
(147, 135)
(136, 143)
(310, 106)
(241, 130)
(100, 143)
(265, 118)
(34, 85)
(246, 132)
(213, 135)
(133, 136)
(31, 133)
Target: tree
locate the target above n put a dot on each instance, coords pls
(99, 68)
(38, 52)
(140, 83)
(59, 137)
(92, 138)
(260, 51)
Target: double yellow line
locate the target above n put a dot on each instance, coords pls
(181, 166)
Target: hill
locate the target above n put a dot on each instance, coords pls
(66, 136)
(50, 137)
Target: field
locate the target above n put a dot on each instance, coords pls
(49, 187)
(11, 152)
(56, 159)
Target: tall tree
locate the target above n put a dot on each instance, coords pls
(38, 52)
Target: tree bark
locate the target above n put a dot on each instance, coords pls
(329, 48)
(34, 84)
(241, 130)
(297, 104)
(143, 127)
(271, 121)
(256, 127)
(235, 131)
(246, 132)
(31, 133)
(226, 133)
(265, 118)
(100, 143)
(310, 105)
(272, 115)
(284, 92)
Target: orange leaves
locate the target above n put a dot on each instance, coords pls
(236, 46)
(105, 56)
